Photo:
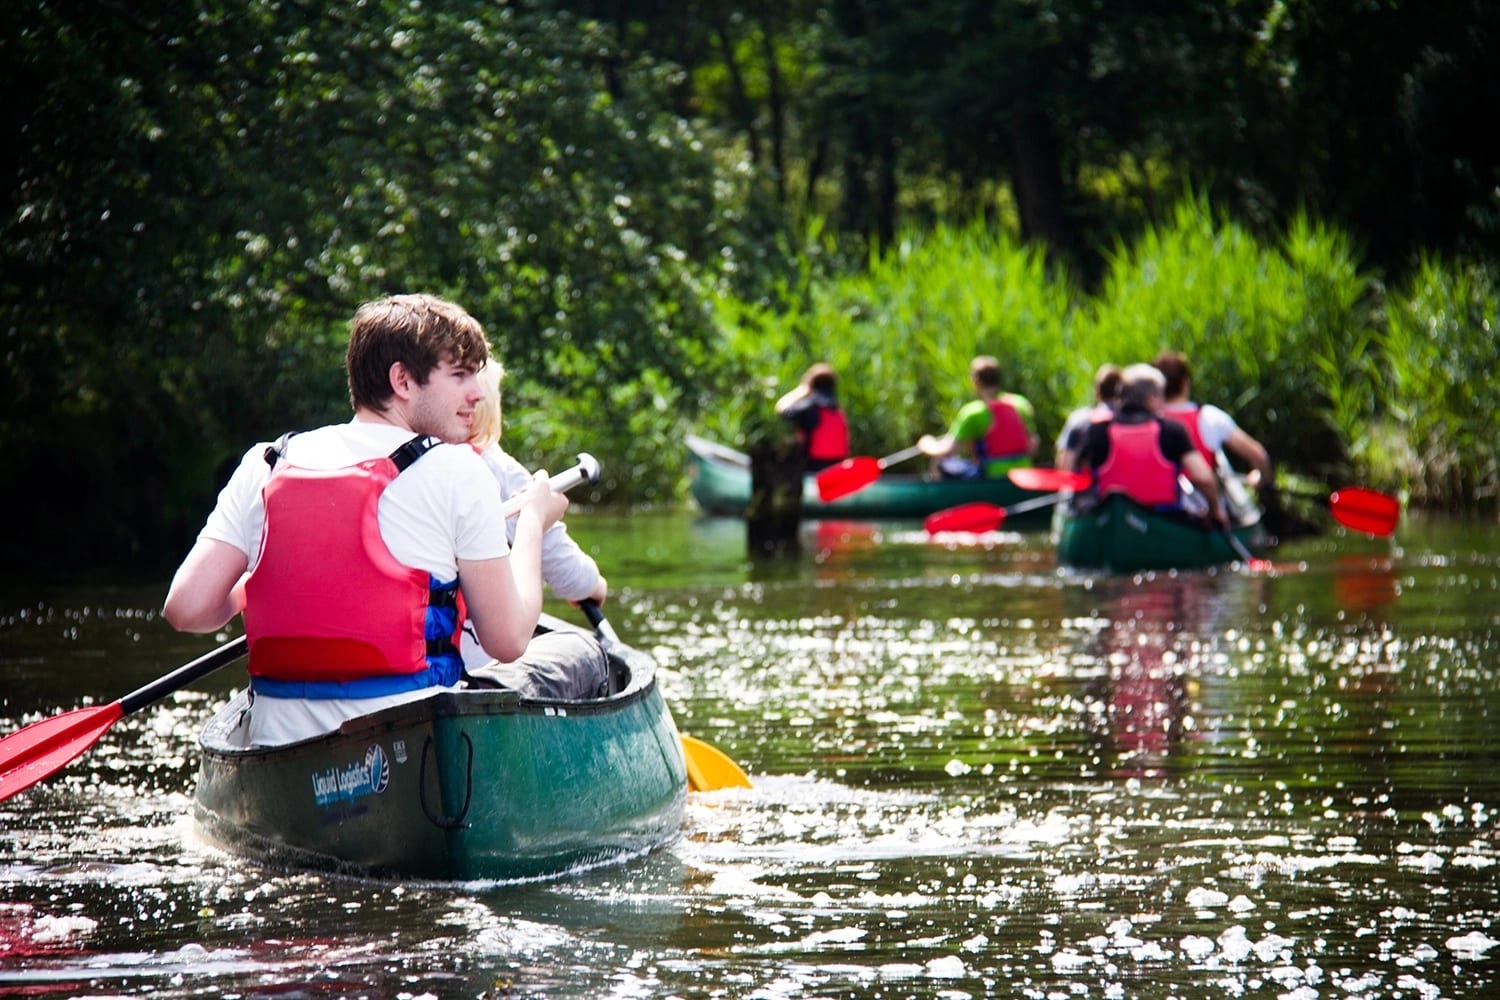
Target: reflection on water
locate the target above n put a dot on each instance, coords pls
(974, 777)
(1150, 641)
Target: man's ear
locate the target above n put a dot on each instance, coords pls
(402, 384)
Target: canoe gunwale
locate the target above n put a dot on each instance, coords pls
(712, 451)
(443, 705)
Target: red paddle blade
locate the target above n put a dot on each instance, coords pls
(1365, 510)
(1048, 480)
(849, 476)
(974, 518)
(43, 748)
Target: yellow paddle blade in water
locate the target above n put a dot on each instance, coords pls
(710, 768)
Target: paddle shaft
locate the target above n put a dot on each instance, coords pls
(1035, 503)
(1237, 545)
(184, 675)
(1242, 553)
(899, 457)
(608, 638)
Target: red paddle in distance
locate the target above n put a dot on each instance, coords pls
(854, 474)
(977, 518)
(1048, 480)
(1365, 510)
(43, 748)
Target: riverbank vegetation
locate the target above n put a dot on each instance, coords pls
(663, 214)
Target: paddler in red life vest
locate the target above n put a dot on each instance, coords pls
(1215, 433)
(1140, 454)
(355, 550)
(813, 409)
(990, 435)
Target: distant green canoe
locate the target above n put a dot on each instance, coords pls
(1118, 535)
(721, 486)
(463, 785)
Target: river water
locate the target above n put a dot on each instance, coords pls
(974, 776)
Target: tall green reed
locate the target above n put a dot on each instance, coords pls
(1267, 329)
(1337, 376)
(1436, 428)
(901, 333)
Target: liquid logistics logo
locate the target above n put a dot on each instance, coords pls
(354, 780)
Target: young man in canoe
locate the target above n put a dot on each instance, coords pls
(1140, 454)
(344, 546)
(812, 407)
(994, 431)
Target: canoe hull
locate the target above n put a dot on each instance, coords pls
(1117, 535)
(464, 785)
(721, 486)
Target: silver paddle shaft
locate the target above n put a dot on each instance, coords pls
(587, 470)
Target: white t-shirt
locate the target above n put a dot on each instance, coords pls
(1214, 425)
(441, 509)
(570, 572)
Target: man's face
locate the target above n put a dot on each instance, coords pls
(444, 407)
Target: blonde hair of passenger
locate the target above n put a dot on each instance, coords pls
(485, 430)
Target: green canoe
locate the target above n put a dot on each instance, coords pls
(1119, 535)
(463, 785)
(721, 486)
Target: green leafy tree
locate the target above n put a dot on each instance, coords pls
(202, 194)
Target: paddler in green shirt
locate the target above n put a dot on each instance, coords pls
(990, 435)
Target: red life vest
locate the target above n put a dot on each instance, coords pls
(1186, 414)
(1136, 465)
(1007, 436)
(329, 612)
(829, 441)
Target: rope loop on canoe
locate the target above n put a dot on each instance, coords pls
(447, 822)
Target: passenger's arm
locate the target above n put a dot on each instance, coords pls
(792, 396)
(504, 595)
(1203, 479)
(1252, 453)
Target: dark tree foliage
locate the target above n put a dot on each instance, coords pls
(1095, 116)
(200, 194)
(1374, 113)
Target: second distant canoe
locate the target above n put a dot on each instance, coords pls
(721, 486)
